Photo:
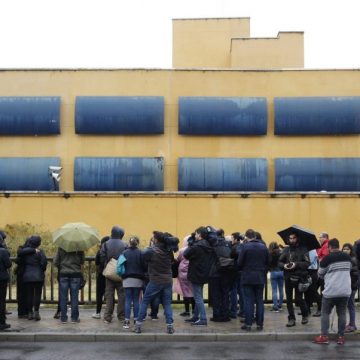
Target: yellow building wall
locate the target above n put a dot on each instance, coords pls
(177, 213)
(284, 52)
(205, 43)
(181, 214)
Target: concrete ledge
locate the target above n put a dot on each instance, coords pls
(66, 337)
(14, 336)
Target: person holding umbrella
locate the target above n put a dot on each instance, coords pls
(294, 260)
(72, 239)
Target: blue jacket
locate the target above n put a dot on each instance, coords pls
(134, 265)
(253, 261)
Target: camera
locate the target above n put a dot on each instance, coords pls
(171, 243)
(191, 239)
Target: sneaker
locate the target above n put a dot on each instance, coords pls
(37, 316)
(126, 324)
(304, 320)
(246, 327)
(5, 326)
(137, 329)
(64, 322)
(96, 316)
(291, 323)
(155, 317)
(340, 340)
(274, 309)
(317, 313)
(170, 329)
(107, 321)
(191, 320)
(31, 316)
(321, 339)
(259, 327)
(75, 321)
(349, 328)
(199, 323)
(185, 313)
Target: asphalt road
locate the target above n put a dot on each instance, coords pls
(269, 350)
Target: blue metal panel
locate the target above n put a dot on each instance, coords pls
(317, 115)
(119, 115)
(38, 115)
(118, 174)
(222, 116)
(27, 174)
(316, 174)
(222, 174)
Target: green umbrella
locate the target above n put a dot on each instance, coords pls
(76, 237)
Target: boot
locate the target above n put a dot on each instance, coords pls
(37, 316)
(30, 315)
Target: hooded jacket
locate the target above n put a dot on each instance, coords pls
(34, 263)
(201, 258)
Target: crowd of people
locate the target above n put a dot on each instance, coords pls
(234, 267)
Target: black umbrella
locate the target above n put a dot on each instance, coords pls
(305, 237)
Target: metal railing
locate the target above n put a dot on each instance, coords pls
(88, 293)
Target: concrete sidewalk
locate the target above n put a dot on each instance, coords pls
(89, 329)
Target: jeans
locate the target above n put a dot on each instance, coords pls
(235, 297)
(254, 295)
(132, 297)
(277, 287)
(351, 308)
(199, 312)
(299, 299)
(72, 284)
(152, 290)
(327, 306)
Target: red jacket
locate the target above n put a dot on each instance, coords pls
(323, 251)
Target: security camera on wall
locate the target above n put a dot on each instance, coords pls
(55, 174)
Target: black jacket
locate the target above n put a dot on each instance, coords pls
(299, 256)
(5, 264)
(201, 258)
(34, 264)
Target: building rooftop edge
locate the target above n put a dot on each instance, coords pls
(211, 18)
(178, 69)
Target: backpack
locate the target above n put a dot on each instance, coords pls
(120, 267)
(224, 262)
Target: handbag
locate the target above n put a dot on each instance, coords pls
(110, 271)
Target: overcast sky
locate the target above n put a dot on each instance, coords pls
(138, 33)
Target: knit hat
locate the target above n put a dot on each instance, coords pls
(117, 232)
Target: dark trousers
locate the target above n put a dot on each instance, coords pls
(220, 287)
(21, 294)
(253, 295)
(100, 291)
(33, 290)
(327, 306)
(187, 302)
(3, 288)
(289, 290)
(311, 295)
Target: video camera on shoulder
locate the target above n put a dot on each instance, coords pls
(191, 239)
(171, 242)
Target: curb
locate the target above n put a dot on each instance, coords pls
(154, 337)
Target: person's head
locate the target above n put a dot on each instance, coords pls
(334, 245)
(258, 235)
(158, 237)
(273, 246)
(34, 241)
(3, 234)
(348, 249)
(220, 233)
(117, 232)
(323, 236)
(293, 239)
(250, 234)
(235, 237)
(201, 233)
(134, 241)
